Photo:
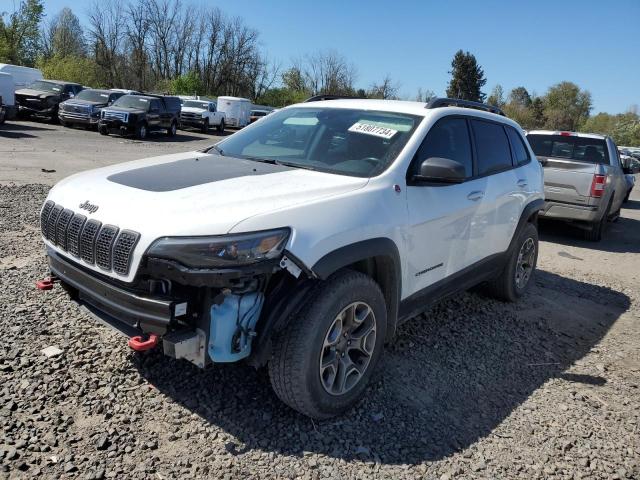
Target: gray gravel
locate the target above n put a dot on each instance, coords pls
(546, 388)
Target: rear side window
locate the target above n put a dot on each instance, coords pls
(492, 147)
(518, 148)
(449, 138)
(591, 150)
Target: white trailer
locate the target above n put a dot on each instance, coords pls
(237, 111)
(12, 78)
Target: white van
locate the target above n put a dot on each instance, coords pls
(12, 78)
(237, 110)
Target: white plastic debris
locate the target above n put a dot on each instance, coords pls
(51, 351)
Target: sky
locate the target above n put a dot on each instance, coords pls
(535, 44)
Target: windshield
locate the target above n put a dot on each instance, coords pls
(196, 104)
(93, 96)
(131, 101)
(583, 149)
(359, 143)
(46, 86)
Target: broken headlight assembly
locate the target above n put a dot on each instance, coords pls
(222, 251)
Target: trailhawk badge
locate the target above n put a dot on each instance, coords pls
(89, 207)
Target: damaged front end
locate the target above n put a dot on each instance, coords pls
(207, 299)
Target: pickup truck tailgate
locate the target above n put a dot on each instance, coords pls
(567, 181)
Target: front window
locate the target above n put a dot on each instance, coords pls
(93, 96)
(45, 86)
(196, 104)
(131, 101)
(360, 143)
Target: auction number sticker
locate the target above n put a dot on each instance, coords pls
(375, 130)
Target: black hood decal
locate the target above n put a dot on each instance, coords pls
(191, 172)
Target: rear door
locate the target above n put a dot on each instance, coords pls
(569, 164)
(499, 210)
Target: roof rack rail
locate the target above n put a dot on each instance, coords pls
(456, 102)
(319, 98)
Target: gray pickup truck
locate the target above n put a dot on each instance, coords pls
(584, 182)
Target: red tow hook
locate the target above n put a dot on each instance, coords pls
(139, 344)
(46, 283)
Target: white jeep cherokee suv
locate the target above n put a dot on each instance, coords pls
(302, 241)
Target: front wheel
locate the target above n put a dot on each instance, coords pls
(520, 267)
(323, 360)
(141, 131)
(205, 126)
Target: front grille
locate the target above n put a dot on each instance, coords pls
(106, 246)
(123, 250)
(73, 234)
(61, 228)
(44, 216)
(88, 240)
(51, 223)
(190, 117)
(115, 115)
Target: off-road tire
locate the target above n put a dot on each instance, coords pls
(504, 287)
(596, 232)
(221, 126)
(294, 367)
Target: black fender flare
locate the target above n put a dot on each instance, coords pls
(529, 213)
(388, 272)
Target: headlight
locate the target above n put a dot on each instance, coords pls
(222, 251)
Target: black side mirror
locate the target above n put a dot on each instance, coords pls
(440, 170)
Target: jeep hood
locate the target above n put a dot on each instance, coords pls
(192, 194)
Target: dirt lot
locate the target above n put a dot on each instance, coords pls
(546, 388)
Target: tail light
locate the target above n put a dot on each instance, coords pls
(597, 185)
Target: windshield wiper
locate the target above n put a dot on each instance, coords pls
(218, 150)
(295, 165)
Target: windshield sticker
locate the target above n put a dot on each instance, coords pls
(104, 95)
(374, 130)
(143, 100)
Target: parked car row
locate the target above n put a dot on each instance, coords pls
(127, 112)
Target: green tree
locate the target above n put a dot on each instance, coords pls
(20, 34)
(71, 68)
(186, 84)
(520, 96)
(281, 97)
(566, 107)
(496, 98)
(624, 128)
(467, 78)
(64, 35)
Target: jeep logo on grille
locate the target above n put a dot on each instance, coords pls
(89, 207)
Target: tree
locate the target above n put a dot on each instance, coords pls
(20, 34)
(467, 78)
(327, 72)
(425, 95)
(566, 107)
(71, 68)
(520, 96)
(496, 98)
(64, 36)
(385, 90)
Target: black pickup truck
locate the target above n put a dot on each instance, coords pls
(43, 97)
(140, 114)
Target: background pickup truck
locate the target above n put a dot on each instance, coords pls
(141, 114)
(201, 114)
(584, 182)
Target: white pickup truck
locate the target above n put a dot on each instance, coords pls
(201, 114)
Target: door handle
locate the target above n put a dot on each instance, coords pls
(522, 183)
(475, 196)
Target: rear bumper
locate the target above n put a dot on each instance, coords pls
(111, 303)
(569, 211)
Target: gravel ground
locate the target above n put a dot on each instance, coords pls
(545, 388)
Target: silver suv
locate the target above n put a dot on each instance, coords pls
(584, 182)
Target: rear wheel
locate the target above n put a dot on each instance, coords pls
(323, 360)
(103, 130)
(172, 130)
(221, 127)
(518, 272)
(598, 228)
